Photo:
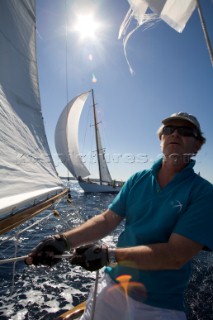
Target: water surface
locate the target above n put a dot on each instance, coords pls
(29, 293)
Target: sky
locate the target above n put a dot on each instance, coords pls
(172, 73)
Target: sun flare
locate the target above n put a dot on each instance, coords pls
(86, 26)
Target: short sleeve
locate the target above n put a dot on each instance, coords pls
(196, 222)
(119, 203)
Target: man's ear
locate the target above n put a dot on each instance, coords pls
(198, 145)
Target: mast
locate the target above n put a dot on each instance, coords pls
(203, 24)
(96, 136)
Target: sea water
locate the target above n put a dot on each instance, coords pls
(41, 293)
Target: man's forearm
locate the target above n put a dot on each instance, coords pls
(88, 232)
(150, 257)
(92, 230)
(159, 256)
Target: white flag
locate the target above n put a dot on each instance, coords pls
(175, 13)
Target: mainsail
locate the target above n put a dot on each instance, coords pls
(104, 174)
(104, 171)
(28, 174)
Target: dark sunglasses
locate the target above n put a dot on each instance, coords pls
(182, 130)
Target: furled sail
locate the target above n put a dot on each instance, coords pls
(66, 136)
(27, 170)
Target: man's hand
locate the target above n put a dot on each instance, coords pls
(44, 253)
(91, 257)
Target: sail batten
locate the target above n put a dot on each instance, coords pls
(27, 169)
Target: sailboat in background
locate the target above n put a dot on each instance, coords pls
(66, 142)
(29, 182)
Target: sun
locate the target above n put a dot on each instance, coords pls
(86, 26)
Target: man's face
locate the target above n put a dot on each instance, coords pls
(177, 144)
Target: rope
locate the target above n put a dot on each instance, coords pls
(95, 295)
(63, 256)
(14, 266)
(58, 256)
(12, 259)
(16, 240)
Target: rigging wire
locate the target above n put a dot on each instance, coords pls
(66, 77)
(16, 238)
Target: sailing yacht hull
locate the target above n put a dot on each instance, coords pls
(95, 187)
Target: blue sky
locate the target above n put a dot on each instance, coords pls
(173, 73)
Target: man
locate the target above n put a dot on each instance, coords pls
(168, 220)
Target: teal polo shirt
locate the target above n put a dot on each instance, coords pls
(183, 206)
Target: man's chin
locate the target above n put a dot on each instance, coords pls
(178, 158)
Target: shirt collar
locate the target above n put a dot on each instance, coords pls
(157, 165)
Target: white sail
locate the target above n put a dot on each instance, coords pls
(66, 136)
(104, 171)
(27, 170)
(66, 142)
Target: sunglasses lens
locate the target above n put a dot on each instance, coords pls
(168, 130)
(186, 132)
(183, 131)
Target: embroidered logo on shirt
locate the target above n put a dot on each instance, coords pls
(177, 204)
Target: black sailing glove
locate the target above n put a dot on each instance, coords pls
(91, 257)
(44, 253)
